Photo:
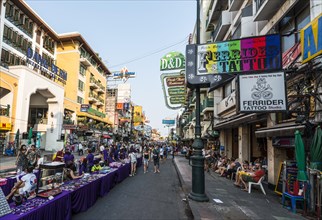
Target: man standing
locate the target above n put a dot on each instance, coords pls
(156, 158)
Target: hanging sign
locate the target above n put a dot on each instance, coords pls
(264, 92)
(311, 39)
(172, 61)
(206, 62)
(173, 85)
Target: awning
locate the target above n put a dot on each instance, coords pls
(106, 136)
(237, 120)
(279, 131)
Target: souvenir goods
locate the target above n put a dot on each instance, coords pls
(4, 206)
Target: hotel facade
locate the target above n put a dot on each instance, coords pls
(45, 78)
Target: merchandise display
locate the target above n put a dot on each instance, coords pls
(48, 193)
(4, 206)
(50, 177)
(28, 206)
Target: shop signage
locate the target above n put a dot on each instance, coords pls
(264, 92)
(5, 126)
(38, 62)
(291, 55)
(212, 64)
(123, 74)
(172, 61)
(92, 111)
(311, 39)
(84, 107)
(173, 85)
(168, 121)
(119, 106)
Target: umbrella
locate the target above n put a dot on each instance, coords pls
(316, 150)
(30, 135)
(300, 157)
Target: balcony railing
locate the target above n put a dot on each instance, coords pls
(208, 104)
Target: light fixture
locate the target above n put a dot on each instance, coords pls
(52, 114)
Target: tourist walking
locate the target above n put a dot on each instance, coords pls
(22, 161)
(146, 156)
(133, 162)
(156, 159)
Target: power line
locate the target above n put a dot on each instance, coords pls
(150, 54)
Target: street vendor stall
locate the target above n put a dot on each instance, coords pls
(75, 196)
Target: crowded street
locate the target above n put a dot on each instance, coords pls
(160, 109)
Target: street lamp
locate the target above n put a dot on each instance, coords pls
(198, 176)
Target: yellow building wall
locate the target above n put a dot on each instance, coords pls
(69, 60)
(11, 83)
(70, 63)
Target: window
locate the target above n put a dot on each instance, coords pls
(80, 85)
(227, 90)
(9, 10)
(4, 56)
(80, 100)
(82, 70)
(294, 21)
(38, 36)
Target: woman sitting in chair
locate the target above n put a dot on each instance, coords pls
(252, 177)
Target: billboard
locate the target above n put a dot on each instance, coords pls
(311, 39)
(137, 115)
(124, 93)
(214, 63)
(173, 85)
(265, 92)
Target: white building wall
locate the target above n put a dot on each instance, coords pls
(29, 83)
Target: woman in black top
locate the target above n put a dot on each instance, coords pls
(146, 156)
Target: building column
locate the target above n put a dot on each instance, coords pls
(243, 143)
(54, 126)
(274, 157)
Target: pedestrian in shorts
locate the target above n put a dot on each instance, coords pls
(156, 159)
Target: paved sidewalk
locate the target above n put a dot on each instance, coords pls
(236, 204)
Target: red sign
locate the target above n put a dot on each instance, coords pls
(119, 106)
(291, 55)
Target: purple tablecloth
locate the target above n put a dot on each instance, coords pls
(108, 182)
(85, 196)
(58, 208)
(10, 183)
(123, 172)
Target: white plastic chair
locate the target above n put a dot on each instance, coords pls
(259, 183)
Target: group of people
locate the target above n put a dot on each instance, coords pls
(243, 173)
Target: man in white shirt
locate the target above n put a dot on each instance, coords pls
(26, 185)
(102, 148)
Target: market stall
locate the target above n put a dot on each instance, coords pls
(70, 197)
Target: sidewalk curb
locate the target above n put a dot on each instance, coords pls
(183, 186)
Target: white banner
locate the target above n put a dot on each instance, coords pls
(263, 92)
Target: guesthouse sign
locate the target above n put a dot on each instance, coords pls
(172, 61)
(214, 63)
(51, 71)
(311, 39)
(173, 85)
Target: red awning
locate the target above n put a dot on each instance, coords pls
(106, 136)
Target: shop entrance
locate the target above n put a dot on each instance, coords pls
(235, 143)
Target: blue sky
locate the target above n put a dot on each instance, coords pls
(121, 31)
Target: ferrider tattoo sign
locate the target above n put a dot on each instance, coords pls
(264, 92)
(209, 64)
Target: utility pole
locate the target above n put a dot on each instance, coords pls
(198, 176)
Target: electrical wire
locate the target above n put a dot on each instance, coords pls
(149, 54)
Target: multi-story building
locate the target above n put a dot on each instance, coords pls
(32, 85)
(86, 84)
(45, 77)
(269, 136)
